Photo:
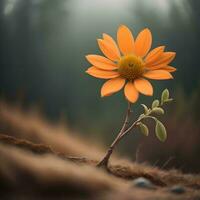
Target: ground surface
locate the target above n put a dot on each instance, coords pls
(42, 161)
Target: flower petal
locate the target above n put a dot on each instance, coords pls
(108, 50)
(163, 60)
(112, 86)
(125, 40)
(112, 42)
(154, 54)
(158, 75)
(98, 73)
(143, 86)
(169, 68)
(101, 62)
(156, 66)
(143, 42)
(130, 92)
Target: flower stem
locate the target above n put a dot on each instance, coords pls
(105, 160)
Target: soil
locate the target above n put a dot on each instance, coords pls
(42, 160)
(29, 170)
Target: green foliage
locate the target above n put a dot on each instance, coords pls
(169, 100)
(143, 128)
(158, 111)
(146, 110)
(164, 96)
(160, 131)
(156, 108)
(155, 103)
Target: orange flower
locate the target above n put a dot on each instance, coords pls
(134, 65)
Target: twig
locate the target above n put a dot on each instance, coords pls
(137, 153)
(167, 161)
(123, 132)
(104, 161)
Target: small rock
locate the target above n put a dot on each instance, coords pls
(177, 189)
(143, 183)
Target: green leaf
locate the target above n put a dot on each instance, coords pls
(144, 129)
(155, 103)
(164, 96)
(146, 110)
(158, 111)
(160, 131)
(169, 100)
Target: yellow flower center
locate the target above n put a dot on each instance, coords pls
(131, 67)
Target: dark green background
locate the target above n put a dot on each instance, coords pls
(43, 44)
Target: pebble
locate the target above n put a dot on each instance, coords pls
(178, 189)
(143, 183)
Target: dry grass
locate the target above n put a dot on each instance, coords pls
(39, 160)
(33, 127)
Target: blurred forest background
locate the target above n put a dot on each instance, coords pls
(43, 44)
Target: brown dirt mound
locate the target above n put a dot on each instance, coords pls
(41, 160)
(30, 170)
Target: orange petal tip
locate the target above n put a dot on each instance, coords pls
(173, 53)
(122, 25)
(171, 77)
(99, 40)
(162, 47)
(146, 29)
(149, 94)
(87, 56)
(104, 35)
